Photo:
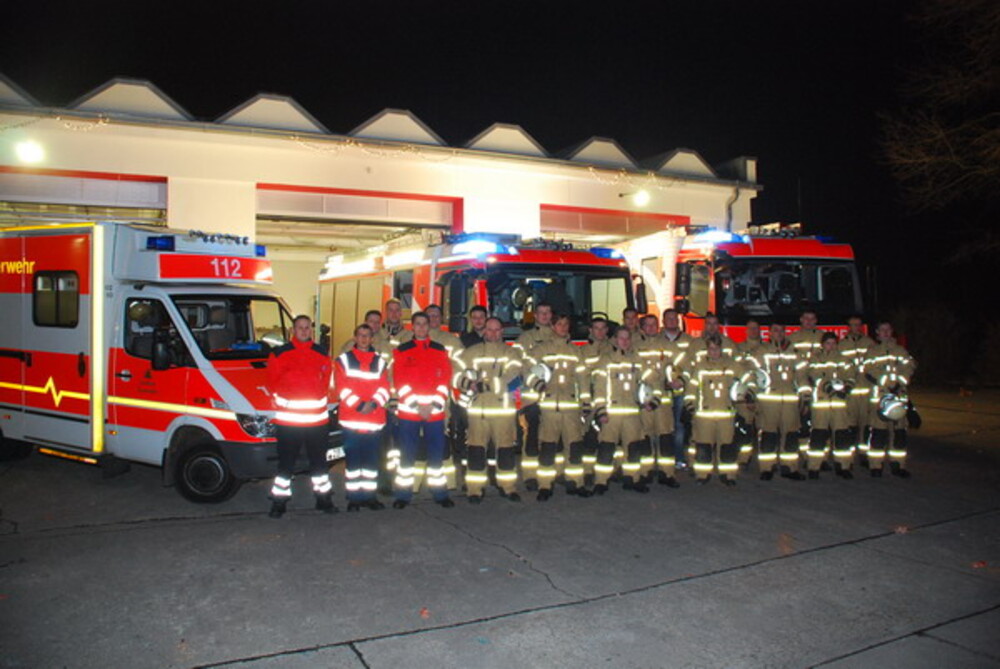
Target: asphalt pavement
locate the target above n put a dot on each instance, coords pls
(123, 572)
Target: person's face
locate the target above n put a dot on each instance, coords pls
(854, 326)
(777, 333)
(883, 332)
(421, 327)
(394, 313)
(302, 330)
(714, 351)
(711, 326)
(671, 321)
(478, 320)
(829, 345)
(493, 332)
(363, 338)
(543, 315)
(753, 330)
(623, 339)
(630, 319)
(599, 330)
(808, 320)
(650, 326)
(561, 328)
(434, 315)
(374, 321)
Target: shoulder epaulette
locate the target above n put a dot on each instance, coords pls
(407, 345)
(284, 348)
(435, 345)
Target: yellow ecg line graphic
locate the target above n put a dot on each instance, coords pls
(48, 389)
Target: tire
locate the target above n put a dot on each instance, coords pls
(203, 476)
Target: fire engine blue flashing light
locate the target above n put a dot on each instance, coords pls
(478, 247)
(260, 250)
(716, 237)
(161, 243)
(604, 252)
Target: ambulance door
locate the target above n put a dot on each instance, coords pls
(56, 327)
(13, 356)
(148, 379)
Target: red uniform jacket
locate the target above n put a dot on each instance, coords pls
(360, 377)
(298, 376)
(421, 374)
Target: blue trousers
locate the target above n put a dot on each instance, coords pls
(413, 433)
(362, 451)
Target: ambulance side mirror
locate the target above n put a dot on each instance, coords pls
(161, 356)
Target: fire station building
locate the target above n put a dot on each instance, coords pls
(270, 170)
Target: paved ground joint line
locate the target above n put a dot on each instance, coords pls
(974, 651)
(918, 632)
(359, 655)
(506, 548)
(623, 593)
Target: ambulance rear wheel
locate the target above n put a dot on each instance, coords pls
(202, 475)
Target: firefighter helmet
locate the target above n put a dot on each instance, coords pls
(892, 407)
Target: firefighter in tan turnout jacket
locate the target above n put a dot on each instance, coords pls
(486, 372)
(557, 380)
(889, 367)
(710, 400)
(831, 379)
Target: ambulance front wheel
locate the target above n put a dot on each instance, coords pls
(202, 475)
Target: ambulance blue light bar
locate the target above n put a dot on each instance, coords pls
(604, 252)
(260, 251)
(160, 243)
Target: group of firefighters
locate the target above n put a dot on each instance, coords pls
(427, 406)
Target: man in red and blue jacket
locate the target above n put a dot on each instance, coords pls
(298, 378)
(421, 376)
(363, 389)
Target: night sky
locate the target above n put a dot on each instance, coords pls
(796, 84)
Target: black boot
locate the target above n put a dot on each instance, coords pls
(814, 474)
(767, 475)
(531, 485)
(793, 475)
(353, 507)
(600, 489)
(899, 471)
(375, 505)
(704, 480)
(277, 509)
(325, 504)
(727, 481)
(877, 473)
(584, 492)
(400, 504)
(670, 482)
(640, 487)
(543, 495)
(513, 497)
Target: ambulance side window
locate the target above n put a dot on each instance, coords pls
(56, 299)
(402, 288)
(147, 323)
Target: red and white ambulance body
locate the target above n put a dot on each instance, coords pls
(771, 278)
(504, 274)
(132, 343)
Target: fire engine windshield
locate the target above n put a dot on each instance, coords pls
(234, 327)
(581, 293)
(779, 289)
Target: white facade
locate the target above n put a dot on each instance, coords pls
(270, 170)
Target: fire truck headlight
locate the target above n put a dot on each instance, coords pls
(256, 425)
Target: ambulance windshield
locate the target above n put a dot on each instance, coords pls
(234, 327)
(580, 292)
(779, 289)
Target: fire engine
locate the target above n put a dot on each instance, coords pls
(506, 275)
(770, 274)
(131, 343)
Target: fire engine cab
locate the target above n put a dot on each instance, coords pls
(131, 343)
(506, 275)
(771, 275)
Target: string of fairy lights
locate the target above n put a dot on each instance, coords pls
(334, 146)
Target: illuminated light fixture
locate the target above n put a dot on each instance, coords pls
(30, 152)
(477, 247)
(715, 237)
(605, 252)
(640, 198)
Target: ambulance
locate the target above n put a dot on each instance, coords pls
(128, 343)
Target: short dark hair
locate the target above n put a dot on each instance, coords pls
(543, 303)
(302, 317)
(621, 328)
(478, 307)
(560, 317)
(373, 312)
(598, 319)
(808, 310)
(363, 326)
(713, 340)
(433, 306)
(630, 309)
(648, 317)
(419, 314)
(670, 310)
(828, 335)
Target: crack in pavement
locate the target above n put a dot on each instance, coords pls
(974, 651)
(634, 591)
(920, 632)
(510, 550)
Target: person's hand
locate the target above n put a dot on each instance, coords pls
(676, 384)
(424, 411)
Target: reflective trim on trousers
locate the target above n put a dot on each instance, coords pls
(789, 457)
(282, 487)
(321, 484)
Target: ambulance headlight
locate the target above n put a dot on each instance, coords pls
(256, 425)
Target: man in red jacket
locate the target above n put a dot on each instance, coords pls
(363, 388)
(298, 378)
(421, 375)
